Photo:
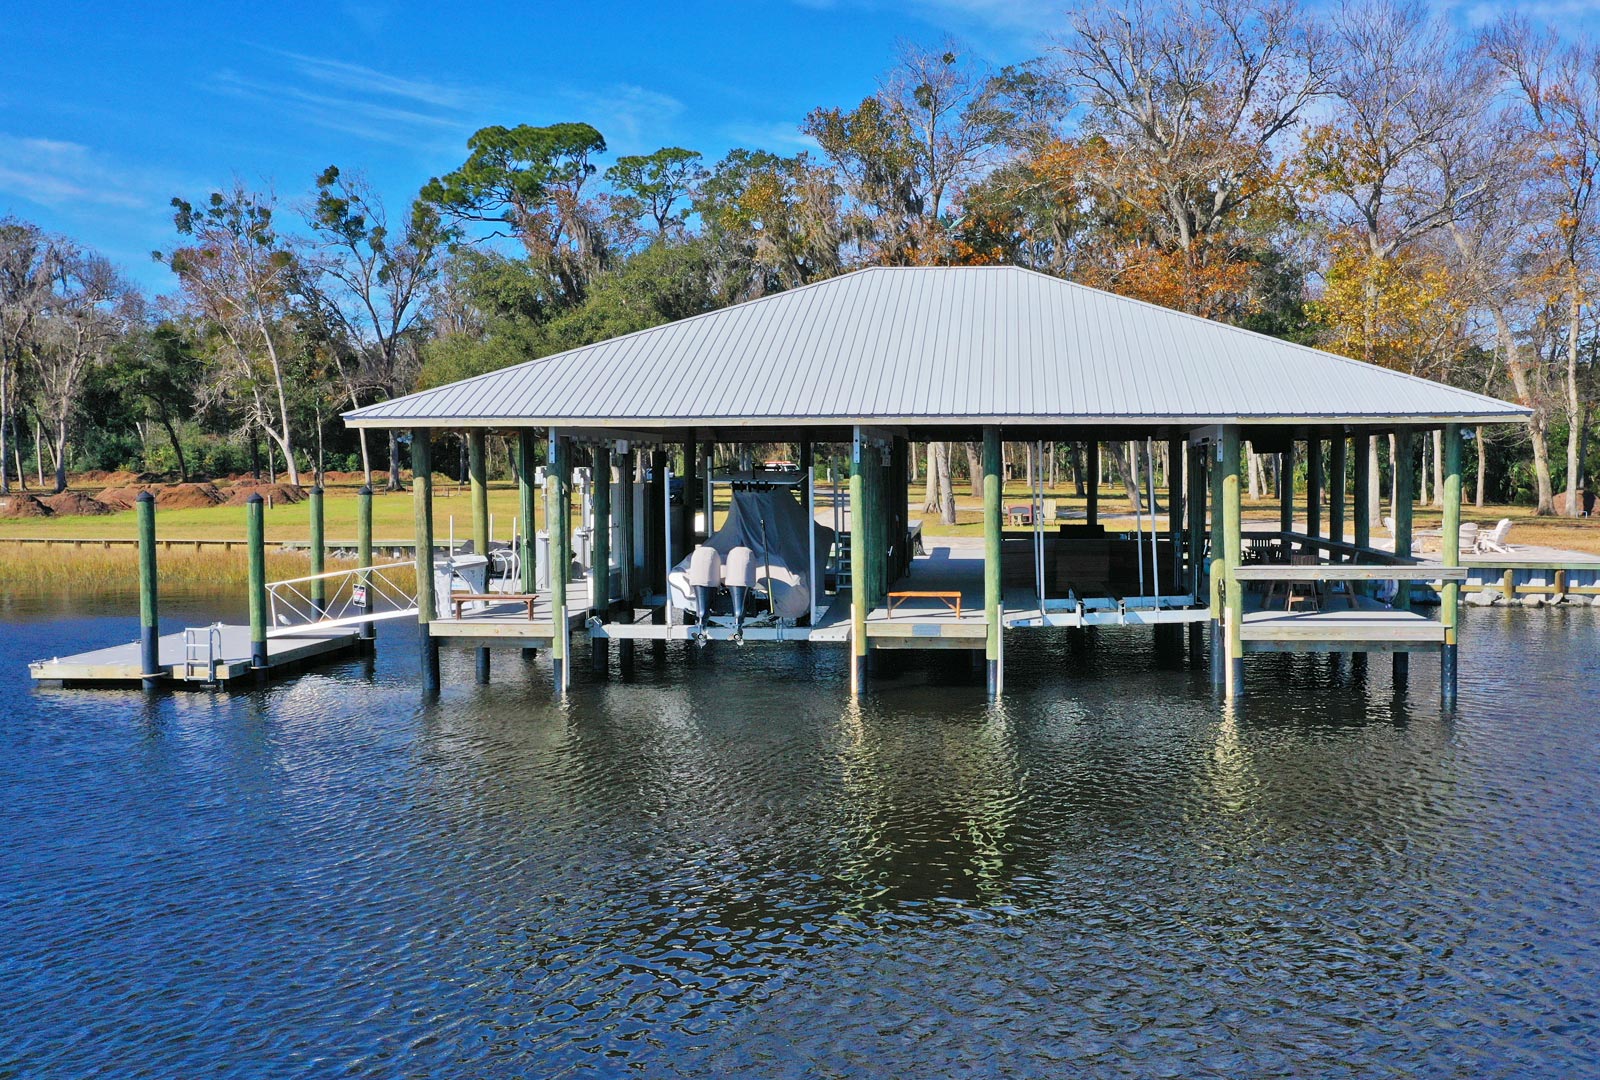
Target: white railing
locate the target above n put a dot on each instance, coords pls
(361, 594)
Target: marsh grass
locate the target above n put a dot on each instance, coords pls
(36, 570)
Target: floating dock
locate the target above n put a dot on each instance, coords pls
(220, 655)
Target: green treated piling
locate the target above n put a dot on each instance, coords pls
(319, 587)
(256, 541)
(364, 555)
(1450, 555)
(478, 478)
(422, 518)
(992, 524)
(149, 623)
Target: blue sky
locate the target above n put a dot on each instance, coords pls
(108, 110)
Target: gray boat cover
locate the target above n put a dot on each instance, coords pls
(772, 523)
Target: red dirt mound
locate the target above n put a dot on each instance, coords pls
(187, 496)
(74, 502)
(22, 506)
(240, 493)
(118, 498)
(119, 478)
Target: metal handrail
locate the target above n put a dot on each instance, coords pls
(349, 602)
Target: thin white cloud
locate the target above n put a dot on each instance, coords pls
(54, 173)
(429, 114)
(780, 136)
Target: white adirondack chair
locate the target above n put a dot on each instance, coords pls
(1495, 539)
(1469, 536)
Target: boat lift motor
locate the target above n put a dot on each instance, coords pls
(739, 575)
(705, 575)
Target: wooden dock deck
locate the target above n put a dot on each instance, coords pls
(120, 663)
(492, 624)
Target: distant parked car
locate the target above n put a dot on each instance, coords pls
(674, 487)
(780, 466)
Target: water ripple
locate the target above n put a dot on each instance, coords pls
(723, 867)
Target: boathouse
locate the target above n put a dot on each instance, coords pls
(855, 369)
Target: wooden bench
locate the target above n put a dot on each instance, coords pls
(462, 599)
(952, 599)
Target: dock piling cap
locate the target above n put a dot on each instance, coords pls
(145, 496)
(255, 497)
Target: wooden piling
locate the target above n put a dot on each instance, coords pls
(1216, 467)
(1338, 464)
(600, 601)
(858, 567)
(1314, 486)
(1405, 476)
(319, 555)
(1360, 496)
(478, 481)
(149, 622)
(1092, 484)
(993, 522)
(1450, 555)
(558, 519)
(256, 539)
(422, 516)
(1175, 497)
(1286, 490)
(364, 556)
(625, 557)
(1233, 616)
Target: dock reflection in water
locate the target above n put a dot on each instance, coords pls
(723, 867)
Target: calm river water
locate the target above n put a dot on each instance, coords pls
(726, 869)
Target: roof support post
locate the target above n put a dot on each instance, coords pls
(526, 467)
(1196, 505)
(1232, 520)
(600, 602)
(691, 492)
(992, 522)
(558, 522)
(1286, 490)
(1338, 465)
(422, 513)
(1450, 555)
(1175, 449)
(625, 554)
(858, 566)
(478, 478)
(1360, 506)
(1092, 483)
(1314, 487)
(1216, 570)
(1405, 479)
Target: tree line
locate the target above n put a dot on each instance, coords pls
(1368, 179)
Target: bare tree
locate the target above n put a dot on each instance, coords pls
(28, 265)
(1403, 87)
(1192, 98)
(239, 276)
(373, 283)
(1559, 87)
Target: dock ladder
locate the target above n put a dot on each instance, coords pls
(202, 645)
